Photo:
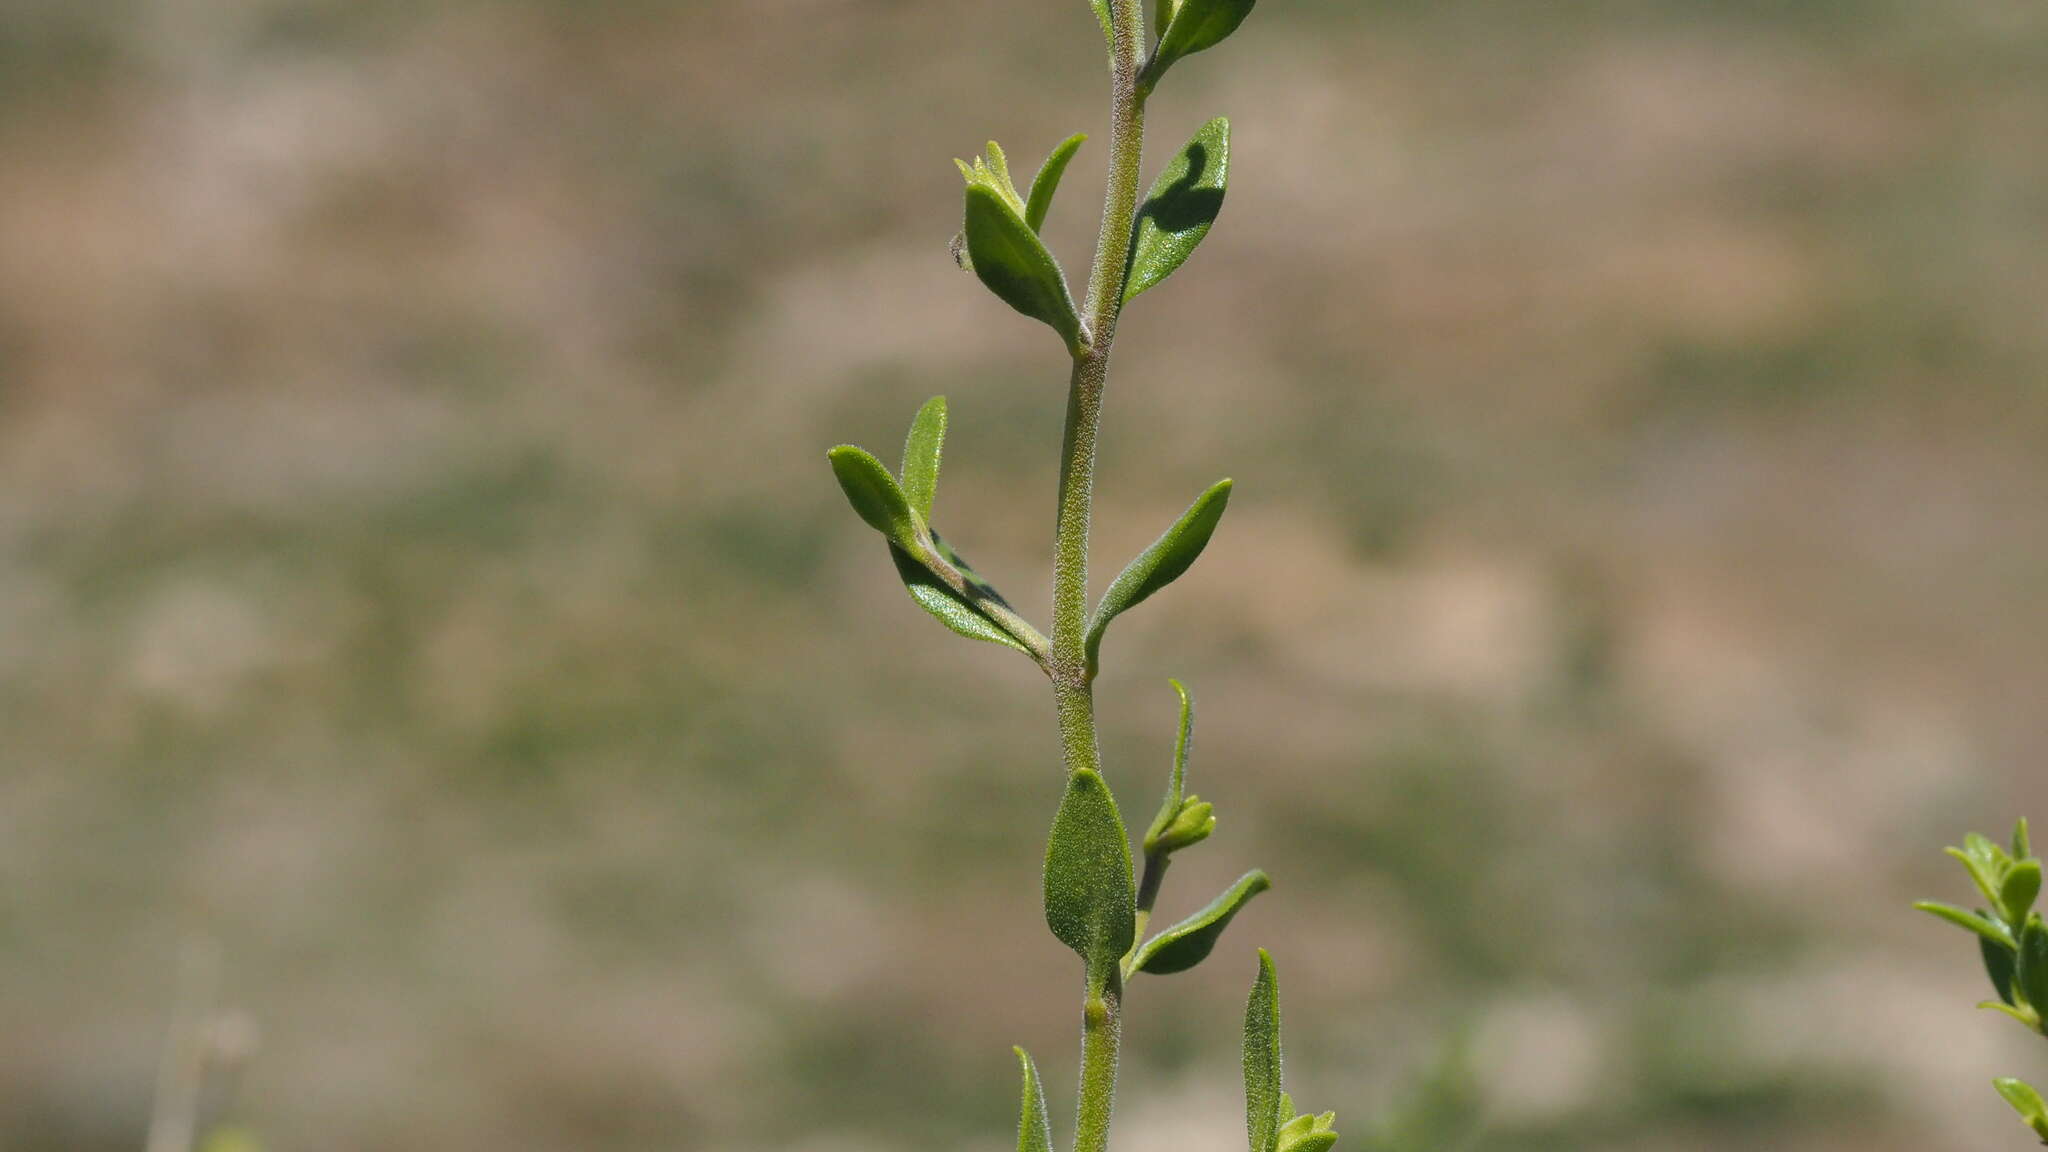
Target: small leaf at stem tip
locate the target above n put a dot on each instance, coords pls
(921, 450)
(1980, 847)
(2001, 964)
(1189, 942)
(875, 495)
(935, 597)
(1981, 924)
(1034, 1132)
(1176, 781)
(1197, 25)
(1090, 897)
(1307, 1133)
(2022, 845)
(1159, 565)
(2017, 891)
(2027, 1102)
(1179, 209)
(1262, 1059)
(1047, 181)
(2030, 977)
(1010, 259)
(1983, 873)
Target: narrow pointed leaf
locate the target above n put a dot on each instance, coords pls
(2030, 979)
(2020, 1012)
(1011, 260)
(1179, 209)
(1047, 181)
(935, 597)
(1090, 898)
(2001, 964)
(1175, 783)
(1159, 565)
(921, 451)
(1975, 922)
(1262, 1059)
(2028, 1103)
(1189, 942)
(2022, 844)
(2017, 891)
(1197, 25)
(874, 494)
(1034, 1133)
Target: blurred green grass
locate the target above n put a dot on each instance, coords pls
(421, 577)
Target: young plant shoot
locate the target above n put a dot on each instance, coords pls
(2013, 942)
(1098, 899)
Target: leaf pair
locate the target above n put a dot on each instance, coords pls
(1267, 1108)
(1000, 241)
(937, 577)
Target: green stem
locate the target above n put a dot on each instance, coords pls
(1101, 1030)
(1102, 1014)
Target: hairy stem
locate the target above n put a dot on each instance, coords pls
(1101, 1029)
(1102, 1013)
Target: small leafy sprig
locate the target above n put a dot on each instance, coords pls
(1097, 902)
(2013, 941)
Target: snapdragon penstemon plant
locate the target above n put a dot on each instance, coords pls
(1094, 902)
(2013, 941)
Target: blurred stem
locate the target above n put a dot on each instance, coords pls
(174, 1118)
(1102, 1012)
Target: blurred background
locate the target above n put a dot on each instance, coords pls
(421, 581)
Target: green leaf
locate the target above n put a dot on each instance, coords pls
(2028, 1103)
(1103, 17)
(1009, 258)
(1162, 14)
(2017, 891)
(2023, 1013)
(1976, 922)
(1308, 1133)
(1169, 808)
(1189, 942)
(1179, 209)
(1984, 872)
(1197, 25)
(1980, 847)
(875, 495)
(2030, 978)
(921, 450)
(1159, 565)
(935, 597)
(2022, 845)
(1047, 181)
(1034, 1133)
(1262, 1059)
(1090, 902)
(2001, 964)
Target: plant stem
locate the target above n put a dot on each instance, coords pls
(1101, 1029)
(1102, 1014)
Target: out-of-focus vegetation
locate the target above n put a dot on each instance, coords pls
(419, 574)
